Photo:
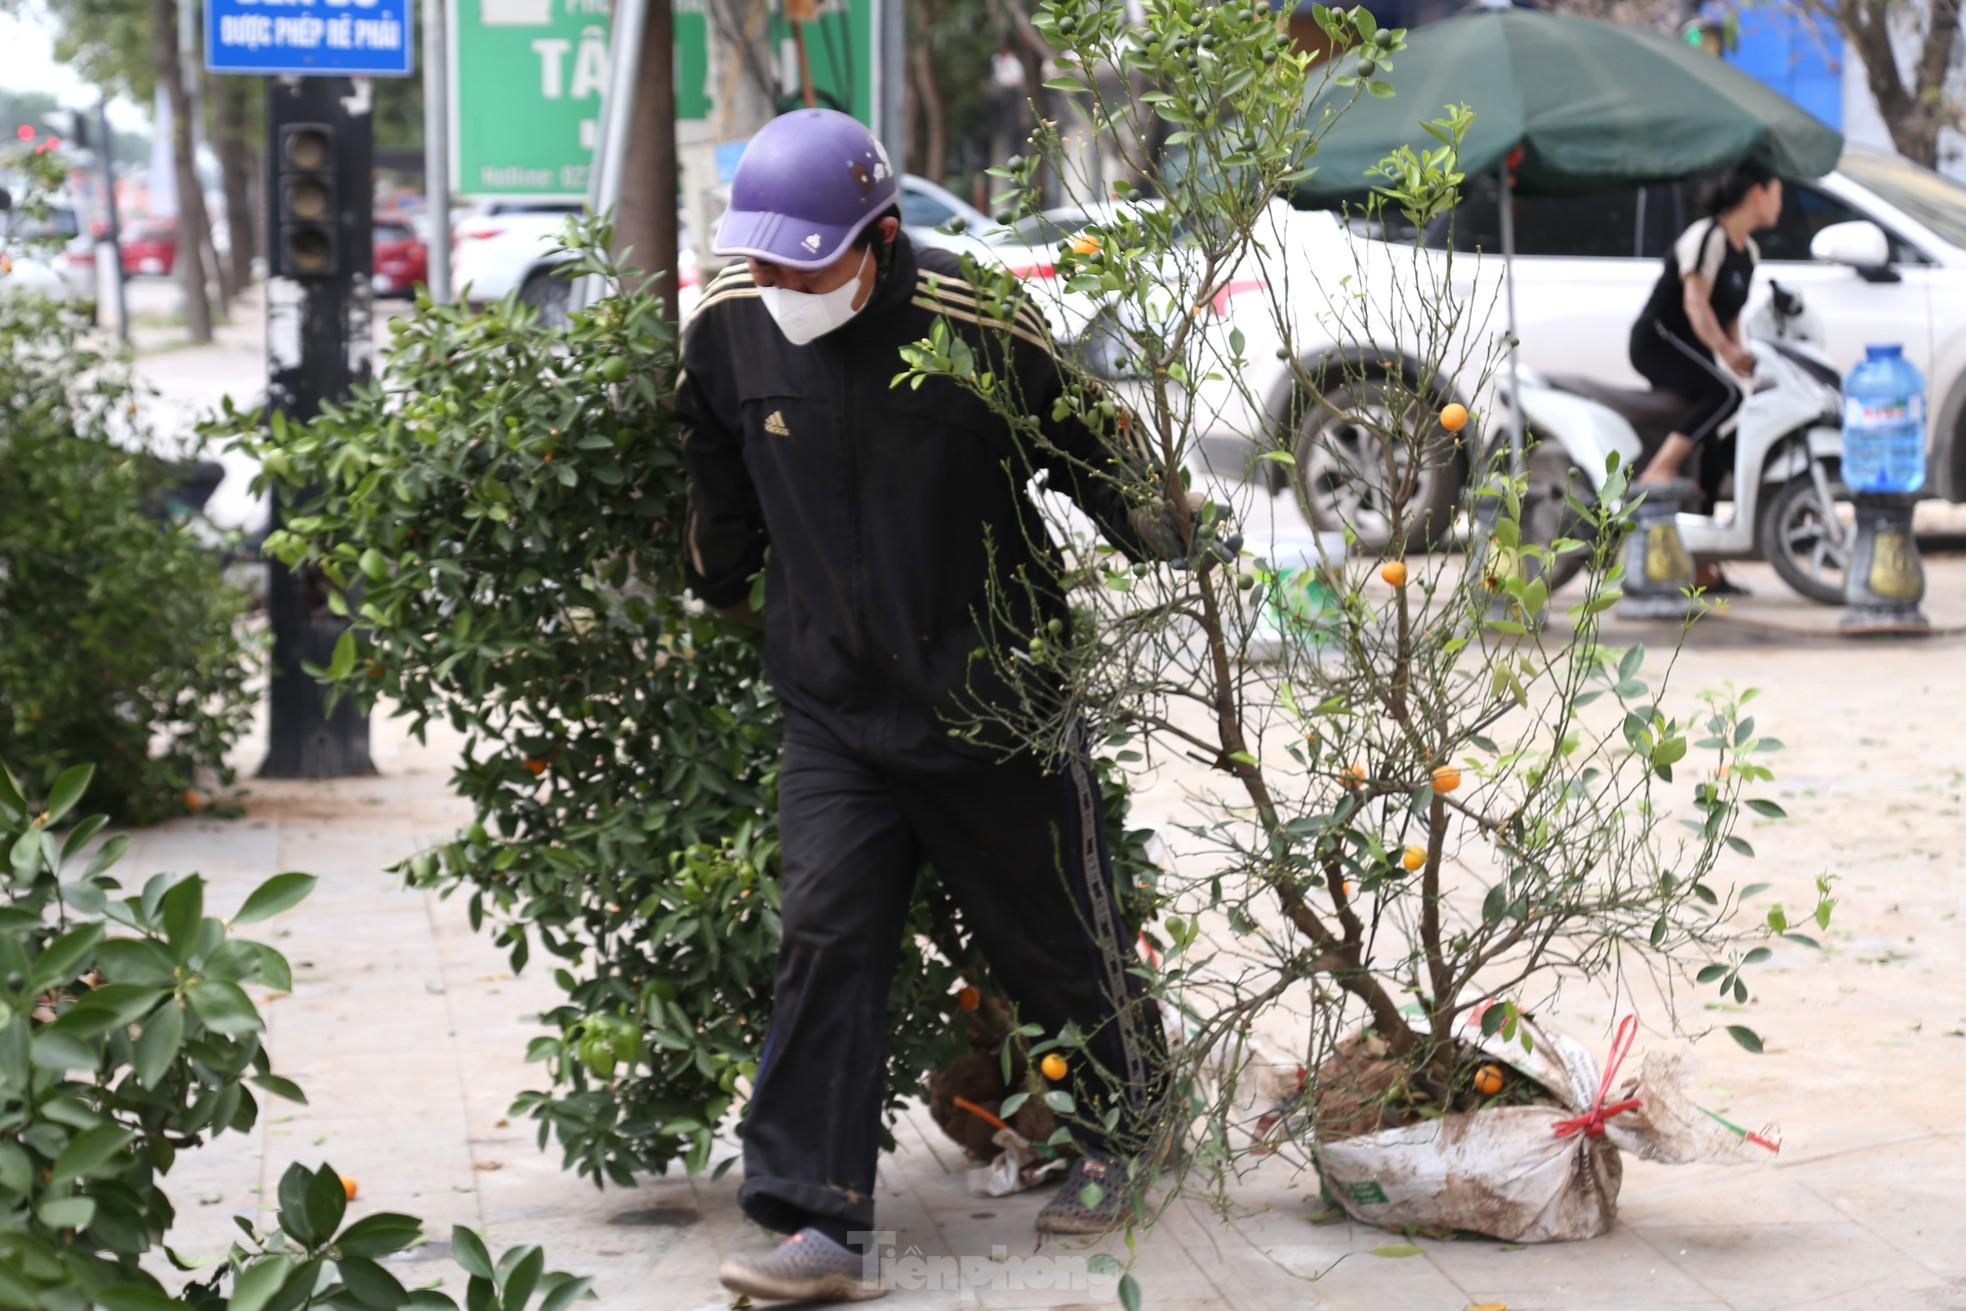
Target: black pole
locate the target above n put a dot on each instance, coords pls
(105, 150)
(318, 334)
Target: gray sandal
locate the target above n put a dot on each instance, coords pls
(808, 1266)
(1092, 1200)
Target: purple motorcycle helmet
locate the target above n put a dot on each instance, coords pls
(808, 184)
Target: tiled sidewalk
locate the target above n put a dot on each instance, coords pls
(408, 1034)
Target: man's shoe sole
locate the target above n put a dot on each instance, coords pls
(740, 1278)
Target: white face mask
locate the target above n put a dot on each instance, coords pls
(805, 316)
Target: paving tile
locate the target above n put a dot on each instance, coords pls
(1617, 1270)
(408, 1030)
(1787, 1265)
(1716, 1194)
(1912, 1196)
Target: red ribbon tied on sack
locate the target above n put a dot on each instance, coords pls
(1591, 1122)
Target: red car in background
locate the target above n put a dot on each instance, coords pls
(149, 248)
(402, 259)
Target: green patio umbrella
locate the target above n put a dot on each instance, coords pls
(1591, 105)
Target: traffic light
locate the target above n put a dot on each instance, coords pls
(306, 164)
(70, 125)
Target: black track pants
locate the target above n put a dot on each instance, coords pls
(1024, 855)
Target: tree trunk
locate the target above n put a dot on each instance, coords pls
(191, 225)
(198, 94)
(1915, 114)
(928, 95)
(645, 217)
(233, 136)
(218, 272)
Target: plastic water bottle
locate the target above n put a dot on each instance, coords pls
(1884, 423)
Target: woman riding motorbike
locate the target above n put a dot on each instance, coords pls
(1691, 325)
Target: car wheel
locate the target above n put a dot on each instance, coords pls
(1341, 474)
(550, 294)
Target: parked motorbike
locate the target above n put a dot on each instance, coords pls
(1778, 502)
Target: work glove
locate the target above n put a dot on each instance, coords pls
(1216, 542)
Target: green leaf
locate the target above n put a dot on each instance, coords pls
(157, 1046)
(562, 1291)
(1060, 1101)
(280, 1087)
(106, 855)
(1768, 808)
(16, 1171)
(11, 801)
(62, 961)
(1740, 845)
(370, 1283)
(293, 1205)
(1011, 1104)
(1395, 1250)
(343, 662)
(1747, 1037)
(67, 1212)
(78, 837)
(259, 1282)
(115, 1005)
(1758, 955)
(67, 791)
(224, 1007)
(522, 1279)
(1129, 1292)
(325, 1202)
(469, 1249)
(183, 909)
(1711, 972)
(279, 893)
(134, 960)
(380, 1234)
(88, 1150)
(136, 1297)
(59, 1052)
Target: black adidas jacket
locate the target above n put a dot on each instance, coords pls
(880, 504)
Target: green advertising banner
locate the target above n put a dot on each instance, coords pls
(839, 53)
(525, 92)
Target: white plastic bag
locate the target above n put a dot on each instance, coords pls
(1533, 1173)
(1016, 1168)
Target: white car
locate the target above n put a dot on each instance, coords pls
(507, 246)
(1583, 268)
(38, 254)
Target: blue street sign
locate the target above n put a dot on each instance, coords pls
(325, 38)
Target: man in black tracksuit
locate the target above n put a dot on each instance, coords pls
(887, 511)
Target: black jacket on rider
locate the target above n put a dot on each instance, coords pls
(888, 510)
